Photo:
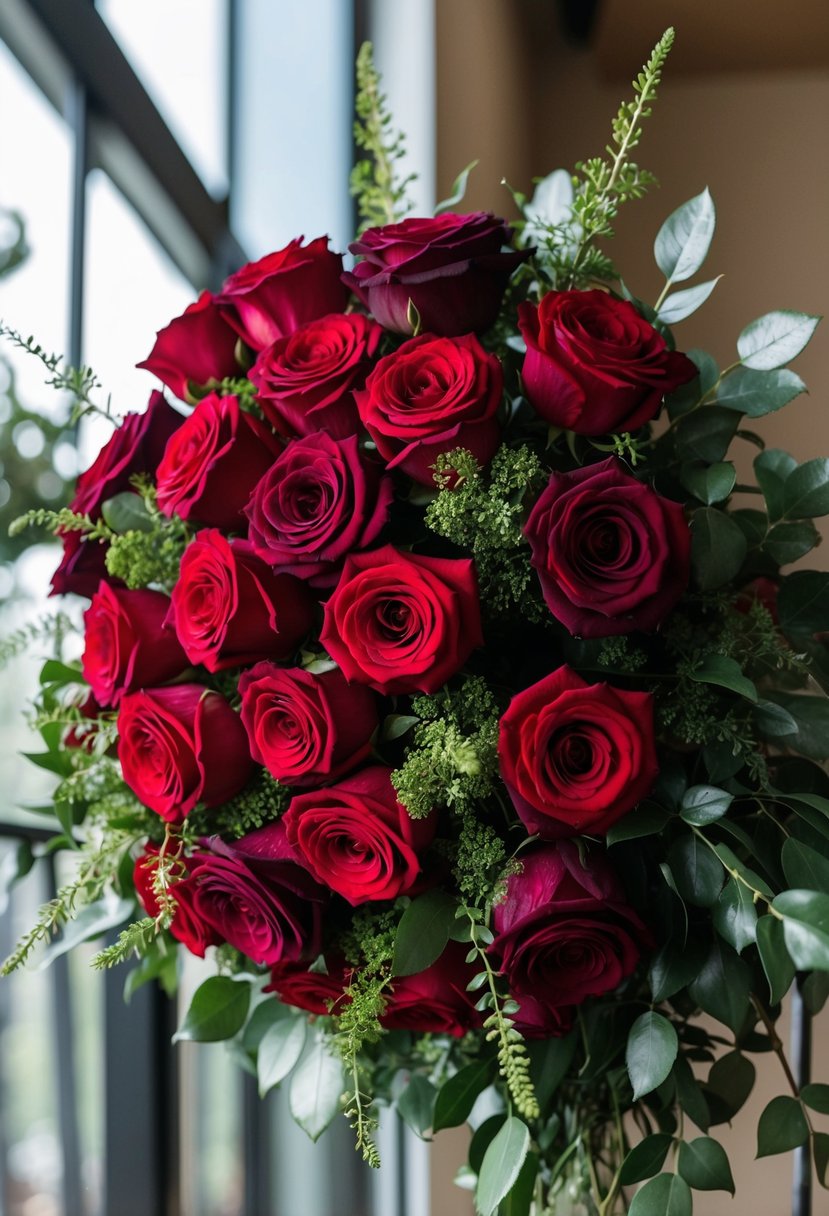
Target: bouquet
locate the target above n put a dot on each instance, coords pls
(442, 683)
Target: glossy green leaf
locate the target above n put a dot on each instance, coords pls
(316, 1088)
(703, 1163)
(396, 725)
(804, 866)
(651, 1050)
(689, 395)
(646, 819)
(777, 964)
(816, 1097)
(811, 715)
(217, 1011)
(803, 604)
(698, 873)
(703, 804)
(772, 469)
(816, 991)
(416, 1104)
(683, 241)
(710, 483)
(782, 1127)
(519, 1199)
(279, 1050)
(681, 304)
(458, 1095)
(806, 491)
(127, 512)
(706, 434)
(481, 1140)
(502, 1164)
(806, 928)
(789, 541)
(774, 339)
(665, 1195)
(423, 932)
(820, 1152)
(732, 862)
(262, 1017)
(645, 1159)
(723, 986)
(718, 548)
(673, 967)
(549, 1061)
(689, 1094)
(725, 673)
(756, 393)
(732, 1079)
(773, 721)
(735, 915)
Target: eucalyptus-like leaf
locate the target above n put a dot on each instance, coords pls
(774, 339)
(651, 1050)
(681, 304)
(683, 241)
(279, 1050)
(706, 434)
(316, 1088)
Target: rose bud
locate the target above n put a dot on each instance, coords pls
(435, 1000)
(306, 729)
(304, 381)
(574, 756)
(450, 267)
(187, 926)
(320, 500)
(357, 839)
(127, 646)
(269, 299)
(318, 992)
(611, 554)
(228, 607)
(429, 397)
(594, 365)
(212, 463)
(198, 348)
(179, 746)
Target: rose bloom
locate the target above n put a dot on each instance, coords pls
(357, 839)
(594, 365)
(320, 500)
(197, 348)
(126, 644)
(187, 926)
(304, 381)
(574, 756)
(318, 992)
(611, 554)
(212, 463)
(431, 396)
(229, 608)
(435, 1001)
(179, 746)
(306, 729)
(451, 268)
(268, 299)
(399, 621)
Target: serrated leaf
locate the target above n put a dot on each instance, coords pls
(710, 483)
(279, 1050)
(704, 804)
(806, 928)
(774, 339)
(651, 1050)
(756, 393)
(683, 241)
(681, 304)
(665, 1195)
(416, 1104)
(423, 932)
(718, 548)
(703, 1163)
(501, 1165)
(645, 1159)
(217, 1011)
(782, 1127)
(723, 986)
(316, 1088)
(726, 673)
(778, 966)
(458, 1095)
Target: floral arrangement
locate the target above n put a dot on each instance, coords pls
(439, 683)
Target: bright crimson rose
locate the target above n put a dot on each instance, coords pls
(574, 756)
(306, 729)
(450, 267)
(611, 554)
(304, 381)
(187, 927)
(212, 463)
(319, 992)
(229, 608)
(256, 894)
(268, 299)
(126, 644)
(320, 500)
(594, 365)
(357, 839)
(435, 1000)
(179, 746)
(198, 348)
(399, 621)
(430, 396)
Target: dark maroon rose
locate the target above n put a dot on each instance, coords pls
(400, 621)
(305, 381)
(186, 927)
(229, 608)
(357, 839)
(306, 729)
(179, 746)
(269, 299)
(318, 992)
(435, 1000)
(451, 268)
(430, 396)
(212, 463)
(196, 349)
(574, 756)
(536, 1020)
(126, 644)
(611, 554)
(594, 365)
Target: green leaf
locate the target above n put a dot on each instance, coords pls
(757, 393)
(774, 339)
(778, 966)
(732, 862)
(665, 1195)
(803, 604)
(644, 820)
(703, 1163)
(689, 1094)
(549, 1061)
(316, 1087)
(787, 542)
(782, 1127)
(279, 1051)
(680, 304)
(806, 490)
(483, 1137)
(127, 512)
(772, 469)
(458, 1095)
(820, 1150)
(93, 919)
(816, 991)
(703, 804)
(55, 672)
(651, 1050)
(501, 1165)
(260, 1021)
(710, 483)
(688, 396)
(519, 1199)
(773, 721)
(726, 673)
(723, 986)
(806, 928)
(396, 725)
(217, 1011)
(811, 714)
(816, 1097)
(706, 434)
(458, 189)
(423, 932)
(735, 916)
(683, 241)
(804, 866)
(645, 1159)
(698, 872)
(732, 1079)
(673, 967)
(718, 548)
(416, 1104)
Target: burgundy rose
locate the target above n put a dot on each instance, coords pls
(537, 1020)
(187, 926)
(435, 1000)
(126, 644)
(594, 365)
(400, 621)
(431, 396)
(574, 756)
(450, 267)
(179, 746)
(320, 500)
(318, 992)
(612, 555)
(268, 299)
(212, 463)
(357, 839)
(306, 729)
(198, 348)
(304, 381)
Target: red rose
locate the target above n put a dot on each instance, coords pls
(574, 756)
(304, 381)
(435, 1000)
(612, 555)
(268, 299)
(318, 992)
(179, 746)
(430, 396)
(197, 348)
(126, 644)
(450, 267)
(306, 729)
(400, 622)
(537, 1020)
(229, 608)
(357, 839)
(187, 927)
(320, 500)
(82, 733)
(594, 365)
(212, 463)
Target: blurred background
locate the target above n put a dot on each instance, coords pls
(148, 147)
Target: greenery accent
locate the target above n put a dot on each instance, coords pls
(262, 801)
(376, 183)
(79, 382)
(53, 629)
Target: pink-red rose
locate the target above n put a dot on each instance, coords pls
(436, 1000)
(126, 644)
(197, 348)
(187, 926)
(318, 992)
(594, 365)
(574, 756)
